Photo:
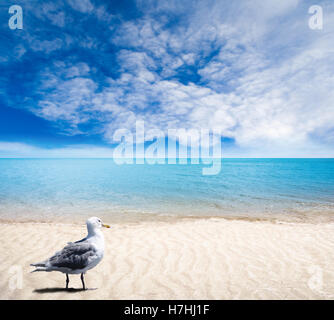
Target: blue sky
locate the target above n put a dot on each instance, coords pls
(80, 69)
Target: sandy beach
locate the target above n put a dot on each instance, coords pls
(185, 259)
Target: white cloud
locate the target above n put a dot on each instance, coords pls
(256, 84)
(83, 6)
(22, 150)
(53, 13)
(16, 149)
(68, 102)
(46, 46)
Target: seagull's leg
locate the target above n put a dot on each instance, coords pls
(67, 280)
(83, 282)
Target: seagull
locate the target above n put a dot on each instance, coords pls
(80, 256)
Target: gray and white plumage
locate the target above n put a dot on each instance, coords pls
(80, 256)
(74, 257)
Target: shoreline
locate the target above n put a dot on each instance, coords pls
(188, 259)
(134, 218)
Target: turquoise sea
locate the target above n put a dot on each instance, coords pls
(74, 189)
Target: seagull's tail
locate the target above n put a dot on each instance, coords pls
(39, 269)
(39, 266)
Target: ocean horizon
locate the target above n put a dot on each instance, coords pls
(71, 190)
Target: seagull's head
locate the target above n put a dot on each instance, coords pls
(94, 223)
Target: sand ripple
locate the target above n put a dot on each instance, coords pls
(191, 259)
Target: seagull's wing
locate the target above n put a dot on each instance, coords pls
(74, 256)
(84, 239)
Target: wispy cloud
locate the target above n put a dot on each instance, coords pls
(252, 69)
(83, 6)
(22, 150)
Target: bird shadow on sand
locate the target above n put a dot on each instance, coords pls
(69, 290)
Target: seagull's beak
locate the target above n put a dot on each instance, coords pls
(106, 226)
